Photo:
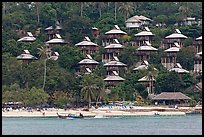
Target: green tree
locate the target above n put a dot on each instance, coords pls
(186, 57)
(126, 8)
(89, 88)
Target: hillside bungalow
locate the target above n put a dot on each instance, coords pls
(148, 82)
(143, 36)
(112, 50)
(56, 41)
(114, 65)
(112, 34)
(197, 43)
(113, 79)
(88, 64)
(171, 98)
(143, 52)
(26, 57)
(198, 62)
(95, 32)
(52, 30)
(28, 38)
(137, 21)
(176, 37)
(168, 59)
(87, 47)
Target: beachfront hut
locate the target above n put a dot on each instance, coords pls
(148, 82)
(171, 98)
(87, 47)
(198, 62)
(26, 57)
(28, 38)
(56, 41)
(114, 65)
(197, 43)
(143, 52)
(168, 59)
(113, 80)
(111, 51)
(137, 21)
(114, 33)
(141, 37)
(88, 64)
(176, 37)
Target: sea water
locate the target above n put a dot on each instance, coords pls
(137, 125)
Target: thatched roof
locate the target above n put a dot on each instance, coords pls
(149, 48)
(171, 96)
(145, 33)
(115, 30)
(114, 78)
(176, 34)
(199, 38)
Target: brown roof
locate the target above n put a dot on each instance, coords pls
(171, 96)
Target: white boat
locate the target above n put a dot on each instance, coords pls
(99, 116)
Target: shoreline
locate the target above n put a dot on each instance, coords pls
(107, 112)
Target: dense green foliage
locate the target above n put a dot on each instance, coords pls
(25, 82)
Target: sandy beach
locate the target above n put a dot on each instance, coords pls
(105, 111)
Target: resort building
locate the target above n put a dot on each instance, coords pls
(113, 79)
(88, 64)
(53, 30)
(197, 43)
(189, 21)
(143, 52)
(26, 57)
(168, 59)
(28, 38)
(115, 33)
(198, 62)
(171, 98)
(143, 36)
(178, 69)
(149, 83)
(56, 41)
(114, 65)
(112, 50)
(87, 47)
(176, 37)
(137, 21)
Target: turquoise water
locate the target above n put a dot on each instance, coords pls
(138, 125)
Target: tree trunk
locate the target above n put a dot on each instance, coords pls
(115, 11)
(89, 101)
(44, 75)
(38, 14)
(81, 9)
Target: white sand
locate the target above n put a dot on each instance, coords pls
(93, 112)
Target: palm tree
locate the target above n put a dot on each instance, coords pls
(89, 89)
(151, 74)
(44, 53)
(184, 10)
(126, 8)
